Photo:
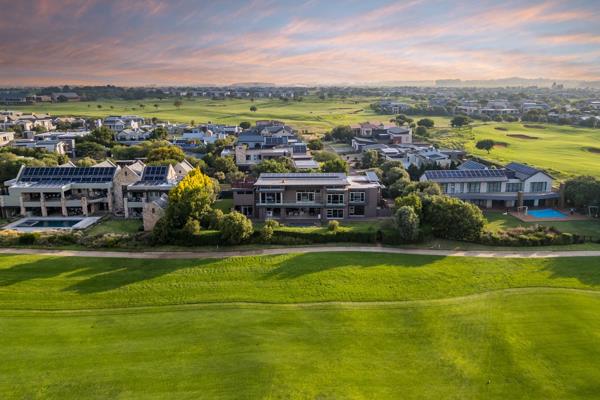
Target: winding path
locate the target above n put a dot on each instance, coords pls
(304, 249)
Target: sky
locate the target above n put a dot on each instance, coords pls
(195, 42)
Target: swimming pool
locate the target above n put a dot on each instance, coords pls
(546, 213)
(49, 223)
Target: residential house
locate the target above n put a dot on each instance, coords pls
(309, 197)
(6, 138)
(120, 123)
(512, 186)
(52, 146)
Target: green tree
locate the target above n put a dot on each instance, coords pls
(342, 134)
(460, 121)
(454, 219)
(90, 149)
(245, 125)
(282, 165)
(159, 133)
(412, 200)
(85, 162)
(421, 131)
(335, 165)
(407, 224)
(163, 153)
(315, 144)
(253, 108)
(178, 103)
(485, 144)
(394, 174)
(102, 135)
(236, 228)
(426, 122)
(582, 191)
(370, 159)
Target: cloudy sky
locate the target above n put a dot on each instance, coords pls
(142, 42)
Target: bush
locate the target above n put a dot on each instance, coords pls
(236, 228)
(412, 200)
(333, 225)
(536, 235)
(451, 218)
(266, 233)
(214, 219)
(407, 222)
(192, 227)
(28, 238)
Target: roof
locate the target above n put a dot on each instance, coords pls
(155, 173)
(302, 179)
(61, 175)
(470, 164)
(522, 171)
(466, 175)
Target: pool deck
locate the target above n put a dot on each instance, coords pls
(85, 222)
(566, 212)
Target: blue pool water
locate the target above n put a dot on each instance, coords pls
(546, 213)
(40, 223)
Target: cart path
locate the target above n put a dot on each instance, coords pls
(303, 249)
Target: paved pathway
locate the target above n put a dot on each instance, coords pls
(306, 249)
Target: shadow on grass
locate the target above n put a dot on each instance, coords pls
(310, 263)
(585, 269)
(99, 275)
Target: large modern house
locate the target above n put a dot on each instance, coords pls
(309, 197)
(513, 186)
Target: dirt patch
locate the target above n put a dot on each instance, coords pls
(521, 136)
(357, 111)
(595, 150)
(500, 144)
(501, 128)
(534, 126)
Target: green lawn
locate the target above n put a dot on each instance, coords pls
(384, 326)
(224, 205)
(564, 151)
(311, 114)
(116, 226)
(497, 221)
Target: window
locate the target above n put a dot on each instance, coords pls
(494, 187)
(335, 213)
(538, 186)
(270, 198)
(514, 187)
(357, 197)
(473, 187)
(356, 210)
(305, 197)
(334, 198)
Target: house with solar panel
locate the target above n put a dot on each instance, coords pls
(64, 191)
(155, 182)
(515, 185)
(309, 197)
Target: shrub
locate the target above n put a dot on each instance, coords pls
(411, 200)
(28, 238)
(333, 225)
(236, 228)
(407, 222)
(266, 233)
(451, 218)
(214, 219)
(192, 227)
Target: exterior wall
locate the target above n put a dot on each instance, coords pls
(124, 177)
(151, 213)
(539, 177)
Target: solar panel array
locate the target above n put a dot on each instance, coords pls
(372, 176)
(304, 175)
(468, 174)
(470, 164)
(67, 174)
(154, 174)
(522, 169)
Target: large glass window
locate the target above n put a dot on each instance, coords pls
(305, 197)
(356, 210)
(494, 187)
(335, 198)
(357, 197)
(335, 213)
(270, 198)
(539, 186)
(514, 187)
(473, 187)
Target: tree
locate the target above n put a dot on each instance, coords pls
(426, 187)
(583, 191)
(407, 223)
(485, 144)
(394, 174)
(178, 103)
(159, 133)
(342, 134)
(235, 228)
(412, 200)
(280, 166)
(253, 108)
(402, 119)
(90, 149)
(335, 165)
(191, 198)
(453, 219)
(315, 144)
(426, 122)
(161, 154)
(460, 121)
(102, 135)
(245, 125)
(421, 131)
(85, 162)
(156, 106)
(370, 159)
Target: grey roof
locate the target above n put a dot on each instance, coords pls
(470, 164)
(466, 175)
(299, 179)
(67, 174)
(523, 171)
